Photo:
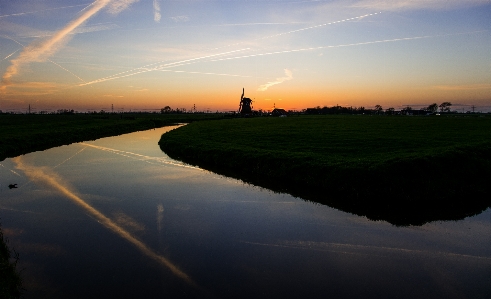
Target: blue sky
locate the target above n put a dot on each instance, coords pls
(148, 54)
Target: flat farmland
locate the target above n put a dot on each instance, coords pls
(354, 163)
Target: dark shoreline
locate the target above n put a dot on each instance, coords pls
(22, 134)
(449, 185)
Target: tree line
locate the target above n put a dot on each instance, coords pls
(430, 109)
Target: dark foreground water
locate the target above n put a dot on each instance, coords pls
(117, 218)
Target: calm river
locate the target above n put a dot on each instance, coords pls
(117, 218)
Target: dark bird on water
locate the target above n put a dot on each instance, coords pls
(12, 186)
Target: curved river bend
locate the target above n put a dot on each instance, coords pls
(117, 218)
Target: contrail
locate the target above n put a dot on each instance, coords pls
(322, 25)
(32, 12)
(157, 68)
(41, 175)
(10, 54)
(40, 51)
(340, 46)
(66, 70)
(8, 37)
(302, 29)
(185, 62)
(202, 73)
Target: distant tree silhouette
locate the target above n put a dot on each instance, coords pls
(390, 111)
(378, 109)
(445, 106)
(432, 108)
(166, 109)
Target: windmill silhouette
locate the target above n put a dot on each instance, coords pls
(245, 107)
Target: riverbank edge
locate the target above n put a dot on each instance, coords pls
(401, 191)
(58, 136)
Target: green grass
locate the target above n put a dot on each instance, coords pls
(21, 134)
(355, 163)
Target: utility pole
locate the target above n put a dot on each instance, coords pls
(29, 108)
(112, 108)
(473, 107)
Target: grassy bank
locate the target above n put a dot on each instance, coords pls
(24, 133)
(406, 170)
(10, 280)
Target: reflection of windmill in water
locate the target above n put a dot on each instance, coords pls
(245, 107)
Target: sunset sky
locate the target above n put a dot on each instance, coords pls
(293, 54)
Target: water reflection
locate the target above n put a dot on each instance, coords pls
(45, 176)
(130, 208)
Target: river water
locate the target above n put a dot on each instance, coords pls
(117, 218)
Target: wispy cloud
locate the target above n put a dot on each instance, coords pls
(417, 4)
(117, 6)
(158, 67)
(179, 19)
(40, 51)
(156, 11)
(463, 87)
(33, 88)
(344, 45)
(289, 76)
(81, 29)
(38, 11)
(112, 96)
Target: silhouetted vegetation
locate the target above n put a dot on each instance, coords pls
(24, 133)
(10, 280)
(405, 170)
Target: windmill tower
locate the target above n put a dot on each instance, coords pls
(245, 107)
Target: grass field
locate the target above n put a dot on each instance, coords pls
(385, 167)
(24, 133)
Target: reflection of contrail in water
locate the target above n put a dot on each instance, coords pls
(160, 216)
(139, 156)
(10, 170)
(70, 157)
(40, 174)
(341, 248)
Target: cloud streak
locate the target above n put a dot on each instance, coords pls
(156, 11)
(117, 6)
(463, 87)
(288, 77)
(147, 68)
(344, 45)
(40, 51)
(43, 175)
(37, 11)
(396, 5)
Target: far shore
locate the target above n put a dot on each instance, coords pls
(24, 133)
